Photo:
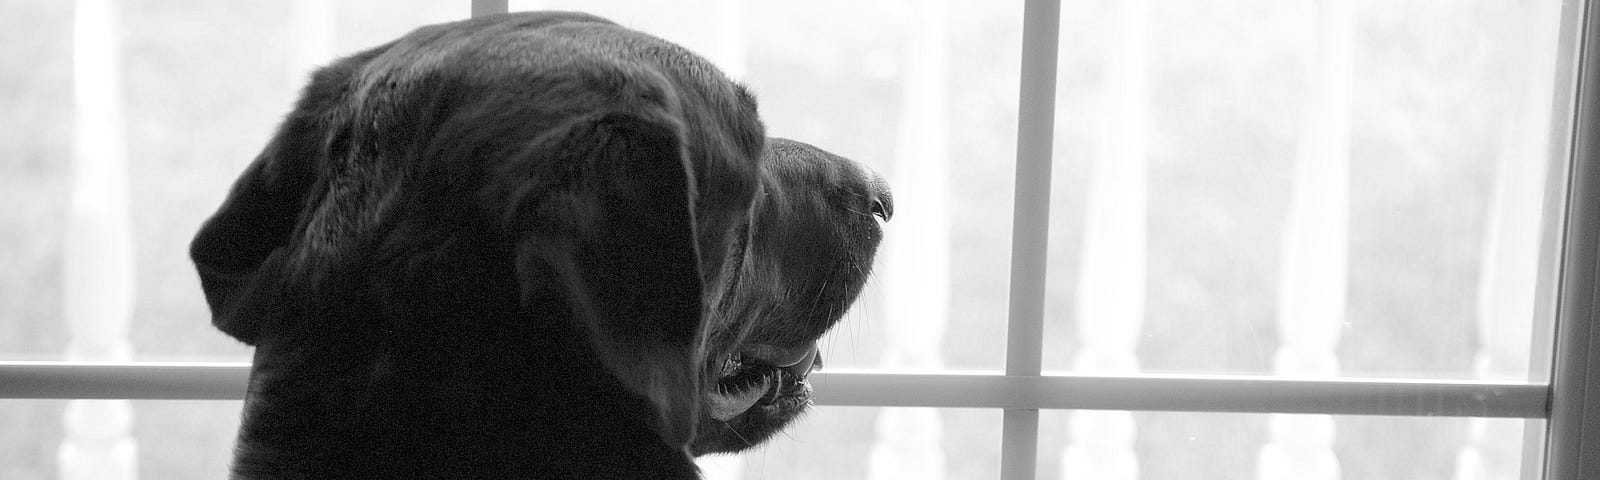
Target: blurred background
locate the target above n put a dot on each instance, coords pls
(1296, 188)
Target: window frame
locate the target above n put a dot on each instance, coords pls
(1569, 403)
(1573, 425)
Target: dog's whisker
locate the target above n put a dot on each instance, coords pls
(736, 433)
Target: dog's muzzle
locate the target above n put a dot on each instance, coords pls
(763, 376)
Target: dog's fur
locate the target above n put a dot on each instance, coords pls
(527, 246)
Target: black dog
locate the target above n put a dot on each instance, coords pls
(529, 246)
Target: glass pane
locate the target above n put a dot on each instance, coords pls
(29, 441)
(1305, 188)
(36, 135)
(1203, 446)
(202, 87)
(176, 440)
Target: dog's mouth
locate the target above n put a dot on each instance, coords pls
(762, 376)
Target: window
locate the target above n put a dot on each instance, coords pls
(1137, 238)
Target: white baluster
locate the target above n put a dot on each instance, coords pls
(1510, 259)
(916, 274)
(1313, 275)
(1111, 278)
(98, 277)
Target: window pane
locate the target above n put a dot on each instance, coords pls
(1350, 188)
(176, 439)
(1203, 446)
(202, 86)
(35, 133)
(28, 443)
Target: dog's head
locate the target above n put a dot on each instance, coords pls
(535, 230)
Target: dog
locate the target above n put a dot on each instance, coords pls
(534, 245)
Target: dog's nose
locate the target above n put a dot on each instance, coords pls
(881, 201)
(881, 209)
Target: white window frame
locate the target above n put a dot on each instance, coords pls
(1569, 403)
(1573, 431)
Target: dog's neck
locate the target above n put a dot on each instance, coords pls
(467, 387)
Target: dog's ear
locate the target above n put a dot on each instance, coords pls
(618, 235)
(242, 251)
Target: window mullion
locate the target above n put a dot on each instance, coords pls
(1183, 393)
(1030, 228)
